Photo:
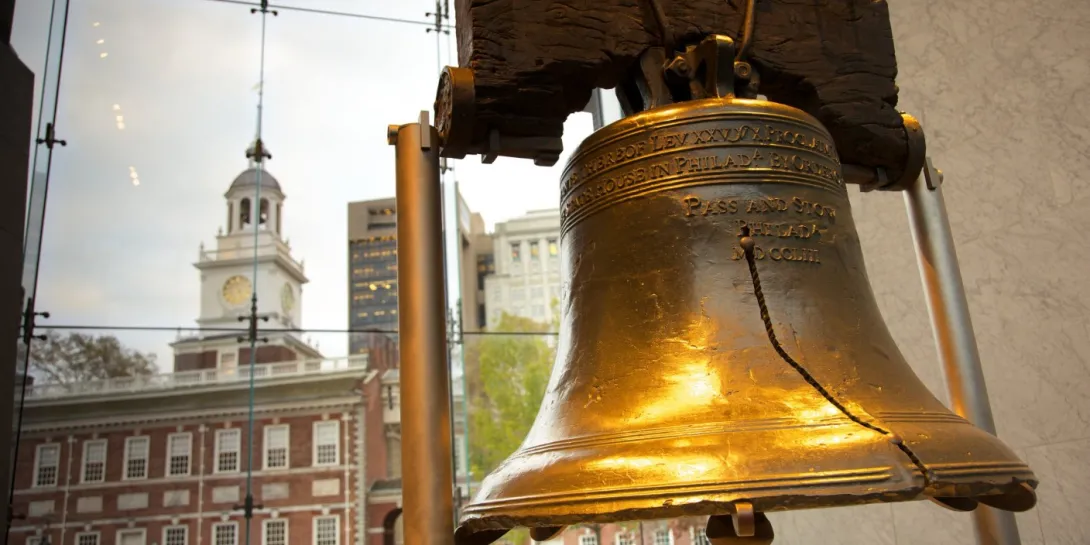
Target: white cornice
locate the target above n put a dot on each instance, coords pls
(364, 376)
(122, 421)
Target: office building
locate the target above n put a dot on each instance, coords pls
(526, 282)
(372, 272)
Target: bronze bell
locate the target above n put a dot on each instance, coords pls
(721, 351)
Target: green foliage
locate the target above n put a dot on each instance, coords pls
(71, 358)
(513, 371)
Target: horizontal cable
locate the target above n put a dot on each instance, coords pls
(268, 329)
(336, 13)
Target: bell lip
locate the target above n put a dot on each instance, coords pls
(724, 107)
(1015, 496)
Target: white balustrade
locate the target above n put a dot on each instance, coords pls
(202, 377)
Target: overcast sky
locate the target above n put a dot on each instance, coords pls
(183, 73)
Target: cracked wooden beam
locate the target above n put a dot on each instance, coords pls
(534, 62)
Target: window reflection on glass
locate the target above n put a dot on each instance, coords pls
(534, 250)
(516, 247)
(553, 248)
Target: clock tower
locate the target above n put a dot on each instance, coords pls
(251, 258)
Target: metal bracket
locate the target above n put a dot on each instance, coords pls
(931, 175)
(29, 316)
(264, 9)
(460, 135)
(251, 335)
(50, 137)
(248, 506)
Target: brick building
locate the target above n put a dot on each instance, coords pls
(163, 460)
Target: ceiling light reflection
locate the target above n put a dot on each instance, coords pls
(102, 55)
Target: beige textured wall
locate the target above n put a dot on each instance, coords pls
(1002, 88)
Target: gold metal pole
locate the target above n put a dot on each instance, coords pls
(427, 488)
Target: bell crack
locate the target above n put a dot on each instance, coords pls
(748, 245)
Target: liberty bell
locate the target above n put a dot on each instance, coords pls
(721, 351)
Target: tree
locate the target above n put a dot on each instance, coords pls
(512, 373)
(75, 357)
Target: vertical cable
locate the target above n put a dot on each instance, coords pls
(259, 155)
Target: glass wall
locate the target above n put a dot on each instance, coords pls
(216, 323)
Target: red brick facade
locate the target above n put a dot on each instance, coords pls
(208, 359)
(204, 497)
(195, 361)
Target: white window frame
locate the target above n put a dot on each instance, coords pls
(218, 452)
(142, 531)
(125, 458)
(38, 465)
(337, 444)
(669, 537)
(588, 539)
(98, 537)
(287, 445)
(265, 530)
(185, 533)
(33, 540)
(336, 531)
(83, 460)
(626, 535)
(219, 524)
(695, 534)
(170, 454)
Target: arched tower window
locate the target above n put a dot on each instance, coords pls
(278, 209)
(244, 213)
(230, 216)
(263, 215)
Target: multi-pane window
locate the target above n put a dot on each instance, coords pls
(518, 294)
(327, 443)
(625, 538)
(663, 537)
(274, 532)
(553, 248)
(33, 540)
(87, 538)
(225, 533)
(94, 461)
(131, 537)
(46, 460)
(700, 537)
(326, 530)
(534, 251)
(175, 535)
(588, 539)
(179, 451)
(516, 248)
(276, 447)
(228, 447)
(136, 457)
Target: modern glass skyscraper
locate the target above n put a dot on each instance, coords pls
(372, 274)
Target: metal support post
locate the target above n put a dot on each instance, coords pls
(953, 329)
(425, 397)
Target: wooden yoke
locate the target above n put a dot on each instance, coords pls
(528, 64)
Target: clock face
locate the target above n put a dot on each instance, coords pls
(287, 298)
(236, 290)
